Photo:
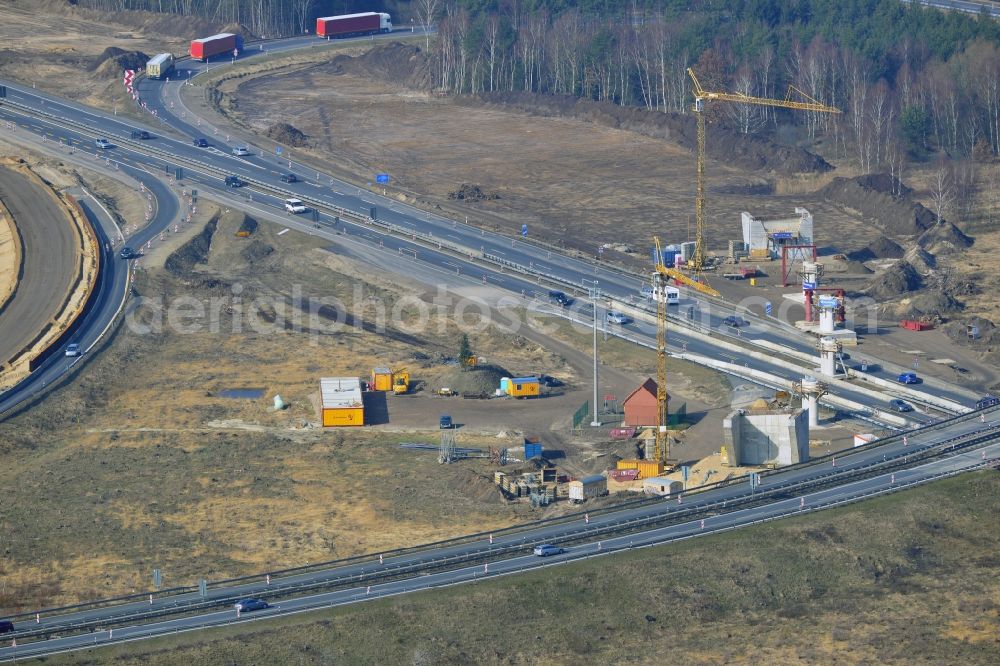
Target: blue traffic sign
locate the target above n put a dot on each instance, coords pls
(524, 230)
(767, 308)
(382, 178)
(277, 150)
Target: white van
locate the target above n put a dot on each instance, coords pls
(295, 206)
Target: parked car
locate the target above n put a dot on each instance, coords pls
(900, 405)
(988, 401)
(103, 144)
(908, 378)
(547, 549)
(560, 298)
(289, 178)
(200, 143)
(445, 422)
(233, 181)
(72, 349)
(6, 626)
(240, 151)
(128, 253)
(247, 605)
(616, 317)
(735, 322)
(295, 206)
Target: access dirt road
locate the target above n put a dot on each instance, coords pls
(51, 261)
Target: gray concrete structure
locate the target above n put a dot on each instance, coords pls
(764, 238)
(763, 436)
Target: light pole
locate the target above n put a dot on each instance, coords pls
(594, 293)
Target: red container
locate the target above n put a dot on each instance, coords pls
(915, 325)
(206, 47)
(348, 24)
(622, 433)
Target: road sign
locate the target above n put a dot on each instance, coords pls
(157, 578)
(767, 308)
(685, 472)
(277, 150)
(809, 285)
(203, 588)
(524, 230)
(236, 53)
(382, 178)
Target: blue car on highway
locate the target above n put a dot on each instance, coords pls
(247, 605)
(908, 378)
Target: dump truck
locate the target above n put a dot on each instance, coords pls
(206, 47)
(346, 25)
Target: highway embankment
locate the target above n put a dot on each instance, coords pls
(10, 256)
(60, 265)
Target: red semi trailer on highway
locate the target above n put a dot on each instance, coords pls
(206, 47)
(367, 23)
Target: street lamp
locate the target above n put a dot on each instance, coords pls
(594, 293)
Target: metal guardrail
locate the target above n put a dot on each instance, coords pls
(899, 460)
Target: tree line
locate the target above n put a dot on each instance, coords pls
(912, 81)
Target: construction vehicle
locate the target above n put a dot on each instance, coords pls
(400, 381)
(470, 361)
(700, 97)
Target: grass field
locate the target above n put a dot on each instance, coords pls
(908, 578)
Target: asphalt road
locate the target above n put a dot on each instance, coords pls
(463, 247)
(51, 261)
(788, 491)
(108, 296)
(961, 6)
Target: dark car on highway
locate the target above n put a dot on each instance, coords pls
(247, 605)
(908, 378)
(560, 298)
(6, 626)
(233, 181)
(128, 253)
(988, 401)
(289, 178)
(200, 143)
(445, 422)
(140, 134)
(735, 321)
(900, 405)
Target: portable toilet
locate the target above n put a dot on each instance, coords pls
(524, 387)
(505, 385)
(381, 379)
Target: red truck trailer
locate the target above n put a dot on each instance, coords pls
(206, 47)
(367, 23)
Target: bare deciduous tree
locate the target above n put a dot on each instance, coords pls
(942, 191)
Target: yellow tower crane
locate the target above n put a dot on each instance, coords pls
(661, 452)
(700, 97)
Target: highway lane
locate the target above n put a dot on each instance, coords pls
(266, 205)
(961, 6)
(108, 297)
(476, 242)
(51, 261)
(509, 553)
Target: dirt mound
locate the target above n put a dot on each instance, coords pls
(898, 279)
(749, 189)
(929, 305)
(472, 193)
(287, 135)
(195, 251)
(989, 334)
(114, 60)
(872, 196)
(481, 380)
(256, 251)
(405, 64)
(921, 260)
(944, 238)
(751, 152)
(880, 248)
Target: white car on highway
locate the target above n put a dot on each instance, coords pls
(616, 317)
(295, 206)
(240, 151)
(103, 144)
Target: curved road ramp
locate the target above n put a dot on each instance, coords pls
(54, 274)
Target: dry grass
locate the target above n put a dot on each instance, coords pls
(901, 578)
